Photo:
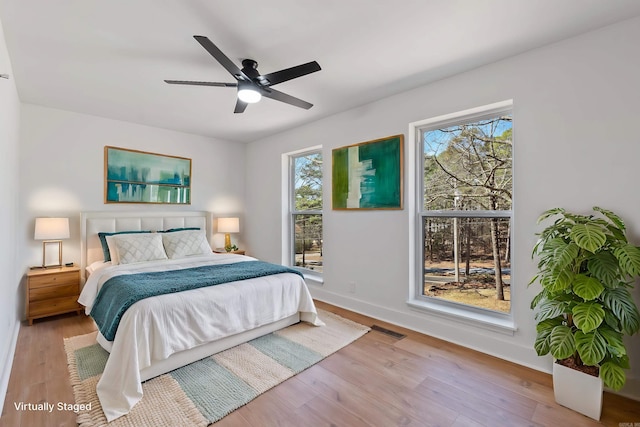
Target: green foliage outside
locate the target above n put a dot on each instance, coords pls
(308, 198)
(468, 167)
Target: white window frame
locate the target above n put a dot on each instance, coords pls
(466, 314)
(288, 210)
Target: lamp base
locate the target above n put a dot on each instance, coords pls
(44, 254)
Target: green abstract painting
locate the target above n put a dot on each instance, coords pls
(132, 176)
(369, 175)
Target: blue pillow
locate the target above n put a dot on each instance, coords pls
(103, 241)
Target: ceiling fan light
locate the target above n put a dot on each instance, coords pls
(250, 96)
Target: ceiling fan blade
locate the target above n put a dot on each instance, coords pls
(219, 56)
(186, 82)
(240, 106)
(291, 73)
(283, 97)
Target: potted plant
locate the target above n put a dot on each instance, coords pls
(586, 268)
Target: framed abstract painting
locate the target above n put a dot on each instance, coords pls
(369, 175)
(132, 176)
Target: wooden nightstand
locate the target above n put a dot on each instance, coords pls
(52, 291)
(222, 251)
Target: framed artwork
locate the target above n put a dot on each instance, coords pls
(132, 176)
(369, 175)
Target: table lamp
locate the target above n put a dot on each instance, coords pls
(228, 225)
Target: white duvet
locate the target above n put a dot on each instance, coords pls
(155, 328)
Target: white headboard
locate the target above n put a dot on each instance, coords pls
(91, 223)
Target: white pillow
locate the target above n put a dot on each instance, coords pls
(138, 247)
(113, 250)
(180, 244)
(95, 266)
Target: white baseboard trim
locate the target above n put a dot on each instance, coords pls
(521, 355)
(7, 364)
(438, 328)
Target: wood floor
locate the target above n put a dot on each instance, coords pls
(377, 381)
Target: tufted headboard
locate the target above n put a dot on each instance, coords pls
(91, 223)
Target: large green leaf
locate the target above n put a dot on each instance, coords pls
(604, 267)
(623, 361)
(613, 376)
(543, 338)
(549, 213)
(591, 346)
(560, 280)
(550, 309)
(548, 325)
(548, 254)
(542, 342)
(620, 302)
(629, 259)
(615, 345)
(587, 316)
(565, 254)
(536, 300)
(617, 235)
(611, 320)
(561, 342)
(587, 288)
(615, 219)
(588, 236)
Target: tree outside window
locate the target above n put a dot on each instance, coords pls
(307, 211)
(466, 212)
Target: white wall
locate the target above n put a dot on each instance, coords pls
(576, 145)
(9, 136)
(62, 172)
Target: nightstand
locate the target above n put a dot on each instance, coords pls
(222, 251)
(52, 291)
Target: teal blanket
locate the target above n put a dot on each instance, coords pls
(119, 293)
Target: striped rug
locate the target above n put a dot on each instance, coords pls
(207, 390)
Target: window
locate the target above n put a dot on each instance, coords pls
(305, 211)
(464, 210)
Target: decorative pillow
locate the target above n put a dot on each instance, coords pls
(113, 250)
(139, 247)
(180, 244)
(103, 241)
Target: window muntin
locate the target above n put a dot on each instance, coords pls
(306, 211)
(466, 211)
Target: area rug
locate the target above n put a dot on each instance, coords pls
(207, 390)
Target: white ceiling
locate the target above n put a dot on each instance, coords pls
(109, 57)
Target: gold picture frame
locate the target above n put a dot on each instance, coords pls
(133, 176)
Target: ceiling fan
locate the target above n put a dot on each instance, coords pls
(252, 85)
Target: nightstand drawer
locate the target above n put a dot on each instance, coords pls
(52, 291)
(49, 292)
(53, 306)
(68, 278)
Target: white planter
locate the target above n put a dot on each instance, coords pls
(578, 391)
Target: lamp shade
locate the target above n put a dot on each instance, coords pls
(228, 225)
(51, 229)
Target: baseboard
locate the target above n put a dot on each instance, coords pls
(7, 364)
(524, 356)
(630, 390)
(438, 328)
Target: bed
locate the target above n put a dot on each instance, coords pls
(160, 333)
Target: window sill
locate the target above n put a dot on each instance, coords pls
(495, 322)
(310, 276)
